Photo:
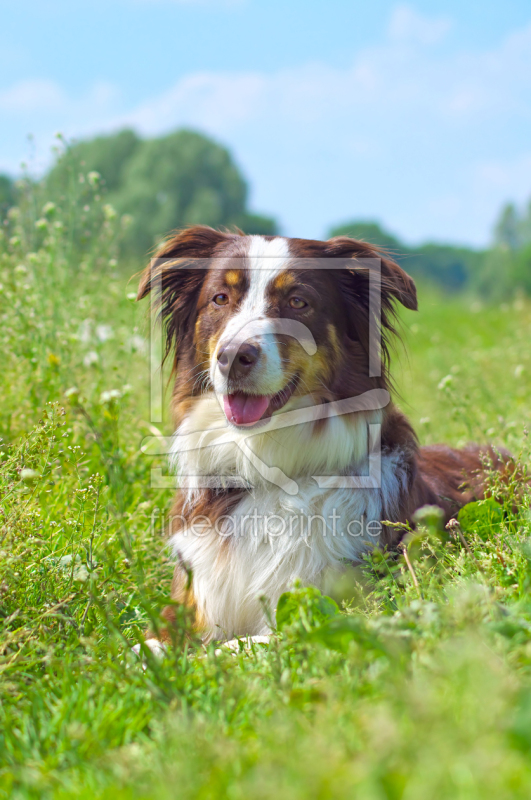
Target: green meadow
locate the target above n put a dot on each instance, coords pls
(416, 685)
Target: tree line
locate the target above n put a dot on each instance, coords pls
(164, 183)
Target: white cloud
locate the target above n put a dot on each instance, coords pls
(32, 95)
(39, 94)
(406, 25)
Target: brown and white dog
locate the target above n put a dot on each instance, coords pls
(275, 393)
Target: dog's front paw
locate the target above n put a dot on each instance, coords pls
(244, 643)
(157, 648)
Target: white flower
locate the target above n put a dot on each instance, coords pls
(137, 344)
(108, 397)
(446, 381)
(104, 332)
(20, 269)
(91, 358)
(48, 209)
(72, 395)
(109, 211)
(518, 371)
(94, 178)
(84, 334)
(29, 475)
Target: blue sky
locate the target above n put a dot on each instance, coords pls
(417, 115)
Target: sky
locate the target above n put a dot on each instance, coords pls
(415, 115)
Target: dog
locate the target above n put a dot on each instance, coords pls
(289, 452)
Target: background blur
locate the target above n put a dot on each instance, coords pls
(407, 125)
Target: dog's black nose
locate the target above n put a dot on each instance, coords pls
(237, 362)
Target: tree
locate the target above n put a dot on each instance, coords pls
(448, 266)
(370, 232)
(164, 184)
(522, 269)
(107, 155)
(506, 231)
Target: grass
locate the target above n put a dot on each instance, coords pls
(413, 691)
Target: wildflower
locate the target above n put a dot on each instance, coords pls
(131, 295)
(518, 371)
(108, 397)
(94, 178)
(104, 332)
(446, 381)
(137, 344)
(48, 209)
(80, 573)
(72, 395)
(29, 475)
(41, 224)
(109, 211)
(20, 269)
(91, 358)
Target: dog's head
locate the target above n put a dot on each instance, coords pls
(262, 320)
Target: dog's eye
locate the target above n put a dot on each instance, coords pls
(296, 302)
(221, 299)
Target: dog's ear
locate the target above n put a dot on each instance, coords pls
(175, 276)
(396, 285)
(389, 285)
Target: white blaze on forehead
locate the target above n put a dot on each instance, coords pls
(267, 259)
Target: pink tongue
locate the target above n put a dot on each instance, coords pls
(243, 409)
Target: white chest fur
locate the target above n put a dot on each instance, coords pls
(270, 539)
(273, 537)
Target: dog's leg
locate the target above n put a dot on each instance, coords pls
(157, 648)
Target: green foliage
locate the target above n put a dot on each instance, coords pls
(7, 195)
(483, 517)
(305, 608)
(107, 155)
(507, 266)
(369, 232)
(447, 266)
(163, 184)
(522, 269)
(418, 685)
(513, 229)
